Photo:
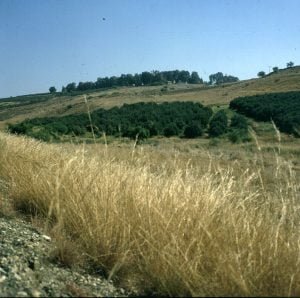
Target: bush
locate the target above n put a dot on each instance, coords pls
(18, 128)
(234, 136)
(283, 108)
(193, 130)
(42, 135)
(153, 130)
(52, 89)
(157, 119)
(78, 130)
(238, 136)
(170, 130)
(140, 132)
(214, 142)
(239, 122)
(143, 133)
(58, 127)
(218, 124)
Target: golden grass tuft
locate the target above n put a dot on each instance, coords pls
(160, 222)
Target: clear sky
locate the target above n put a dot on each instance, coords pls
(47, 43)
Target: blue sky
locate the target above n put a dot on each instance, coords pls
(47, 43)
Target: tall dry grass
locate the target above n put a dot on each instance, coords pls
(161, 223)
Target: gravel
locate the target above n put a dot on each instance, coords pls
(26, 269)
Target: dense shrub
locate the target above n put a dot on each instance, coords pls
(193, 130)
(152, 128)
(59, 127)
(170, 130)
(78, 130)
(282, 108)
(137, 132)
(234, 136)
(42, 135)
(218, 124)
(145, 119)
(239, 122)
(238, 135)
(18, 129)
(239, 129)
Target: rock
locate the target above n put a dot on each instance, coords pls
(22, 294)
(31, 264)
(47, 238)
(27, 270)
(35, 293)
(17, 276)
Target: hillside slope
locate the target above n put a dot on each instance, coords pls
(14, 110)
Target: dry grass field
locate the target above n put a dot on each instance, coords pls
(168, 219)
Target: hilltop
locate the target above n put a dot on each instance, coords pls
(16, 109)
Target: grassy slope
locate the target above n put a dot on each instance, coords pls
(177, 224)
(285, 80)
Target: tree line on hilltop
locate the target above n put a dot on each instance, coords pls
(146, 78)
(262, 74)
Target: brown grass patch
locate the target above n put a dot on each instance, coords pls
(162, 222)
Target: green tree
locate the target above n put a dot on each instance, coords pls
(219, 78)
(52, 89)
(275, 69)
(184, 76)
(85, 86)
(146, 77)
(71, 87)
(216, 78)
(261, 74)
(195, 79)
(290, 64)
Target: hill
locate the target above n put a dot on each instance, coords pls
(16, 109)
(167, 216)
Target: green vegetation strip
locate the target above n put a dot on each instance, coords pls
(144, 119)
(140, 120)
(282, 108)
